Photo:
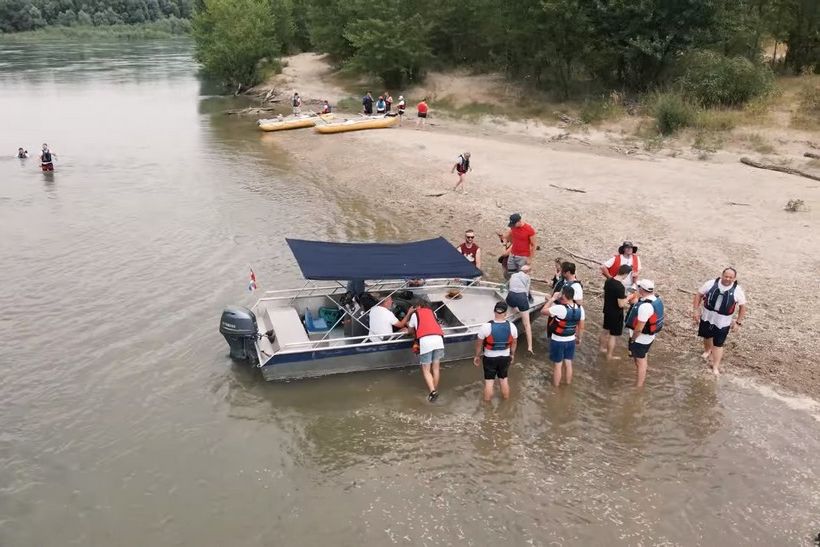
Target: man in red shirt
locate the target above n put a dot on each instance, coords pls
(522, 243)
(422, 109)
(470, 250)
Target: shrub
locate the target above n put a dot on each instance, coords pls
(807, 115)
(672, 112)
(596, 111)
(714, 80)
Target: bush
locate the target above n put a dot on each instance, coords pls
(672, 112)
(807, 115)
(596, 111)
(714, 80)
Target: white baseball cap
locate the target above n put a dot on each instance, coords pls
(647, 285)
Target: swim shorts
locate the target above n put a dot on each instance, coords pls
(422, 114)
(496, 367)
(518, 300)
(638, 351)
(614, 323)
(561, 351)
(430, 356)
(708, 330)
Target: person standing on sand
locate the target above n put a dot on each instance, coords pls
(430, 339)
(720, 298)
(388, 101)
(367, 104)
(381, 106)
(498, 339)
(614, 304)
(422, 109)
(401, 107)
(470, 250)
(462, 166)
(518, 298)
(522, 237)
(296, 103)
(627, 254)
(644, 321)
(566, 320)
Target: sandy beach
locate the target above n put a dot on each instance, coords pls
(689, 218)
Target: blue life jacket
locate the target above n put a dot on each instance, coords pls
(727, 305)
(569, 324)
(559, 286)
(500, 336)
(654, 324)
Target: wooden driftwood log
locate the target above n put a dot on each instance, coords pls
(569, 189)
(778, 168)
(812, 155)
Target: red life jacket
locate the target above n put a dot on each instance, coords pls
(613, 270)
(427, 323)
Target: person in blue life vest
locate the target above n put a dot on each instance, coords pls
(429, 337)
(566, 325)
(496, 340)
(568, 279)
(644, 321)
(381, 106)
(715, 305)
(462, 165)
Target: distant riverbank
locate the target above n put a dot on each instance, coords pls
(163, 28)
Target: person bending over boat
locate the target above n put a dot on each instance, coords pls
(21, 153)
(47, 158)
(519, 299)
(383, 321)
(430, 340)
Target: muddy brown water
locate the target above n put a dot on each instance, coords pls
(125, 423)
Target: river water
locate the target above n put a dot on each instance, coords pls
(125, 423)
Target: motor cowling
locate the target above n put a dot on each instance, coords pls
(238, 326)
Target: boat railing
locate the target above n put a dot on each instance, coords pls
(354, 340)
(313, 290)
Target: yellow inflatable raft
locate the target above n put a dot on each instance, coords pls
(357, 124)
(275, 124)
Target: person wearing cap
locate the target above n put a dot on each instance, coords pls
(497, 340)
(521, 236)
(429, 337)
(566, 319)
(518, 298)
(627, 254)
(462, 166)
(719, 298)
(401, 107)
(470, 250)
(644, 321)
(296, 103)
(614, 304)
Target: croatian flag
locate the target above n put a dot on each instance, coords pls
(252, 283)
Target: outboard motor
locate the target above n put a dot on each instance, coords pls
(238, 326)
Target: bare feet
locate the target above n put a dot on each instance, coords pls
(705, 355)
(612, 358)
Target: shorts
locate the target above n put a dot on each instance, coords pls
(614, 323)
(422, 114)
(430, 356)
(460, 172)
(708, 330)
(496, 367)
(638, 351)
(47, 166)
(518, 300)
(515, 262)
(401, 112)
(562, 351)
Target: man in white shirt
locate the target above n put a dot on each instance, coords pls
(430, 339)
(568, 279)
(714, 308)
(382, 321)
(643, 322)
(498, 339)
(627, 254)
(566, 326)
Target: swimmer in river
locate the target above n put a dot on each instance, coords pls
(47, 158)
(22, 153)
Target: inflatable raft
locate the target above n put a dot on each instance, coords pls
(357, 124)
(291, 122)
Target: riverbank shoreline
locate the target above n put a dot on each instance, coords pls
(690, 219)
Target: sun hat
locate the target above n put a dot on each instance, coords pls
(626, 244)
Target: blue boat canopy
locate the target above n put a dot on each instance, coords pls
(346, 261)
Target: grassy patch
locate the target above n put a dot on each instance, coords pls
(349, 104)
(600, 110)
(807, 113)
(758, 143)
(672, 113)
(716, 119)
(708, 141)
(163, 28)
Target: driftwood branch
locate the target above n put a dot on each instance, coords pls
(686, 291)
(778, 168)
(569, 189)
(812, 155)
(579, 257)
(737, 203)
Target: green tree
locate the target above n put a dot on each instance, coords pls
(232, 36)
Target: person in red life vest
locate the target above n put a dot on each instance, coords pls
(719, 298)
(422, 109)
(496, 340)
(614, 304)
(462, 166)
(566, 320)
(627, 254)
(522, 238)
(470, 250)
(325, 108)
(644, 321)
(430, 339)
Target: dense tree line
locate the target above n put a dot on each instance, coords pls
(22, 15)
(556, 44)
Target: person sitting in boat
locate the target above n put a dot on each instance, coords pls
(381, 106)
(325, 108)
(47, 159)
(21, 153)
(383, 321)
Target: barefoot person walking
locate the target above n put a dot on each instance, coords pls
(462, 166)
(567, 325)
(643, 322)
(497, 339)
(719, 298)
(614, 304)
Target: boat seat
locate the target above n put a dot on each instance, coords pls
(287, 327)
(314, 324)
